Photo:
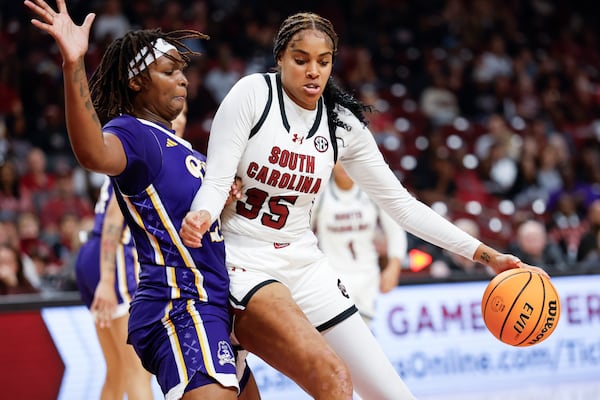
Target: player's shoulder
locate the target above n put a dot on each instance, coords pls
(122, 121)
(254, 80)
(252, 87)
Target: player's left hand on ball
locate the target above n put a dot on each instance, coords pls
(534, 269)
(509, 261)
(193, 227)
(502, 262)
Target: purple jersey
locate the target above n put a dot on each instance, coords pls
(179, 320)
(154, 205)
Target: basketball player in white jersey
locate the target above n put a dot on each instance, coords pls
(348, 224)
(282, 133)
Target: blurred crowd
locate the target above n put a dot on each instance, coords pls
(487, 110)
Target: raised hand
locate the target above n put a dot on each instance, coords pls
(72, 39)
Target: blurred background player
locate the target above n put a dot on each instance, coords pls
(107, 273)
(348, 224)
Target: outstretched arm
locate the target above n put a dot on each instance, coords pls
(94, 151)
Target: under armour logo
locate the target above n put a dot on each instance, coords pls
(297, 138)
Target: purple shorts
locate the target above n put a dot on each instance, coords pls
(87, 271)
(188, 348)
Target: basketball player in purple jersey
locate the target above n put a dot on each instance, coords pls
(179, 320)
(107, 269)
(282, 134)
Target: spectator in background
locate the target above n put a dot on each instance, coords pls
(8, 232)
(498, 149)
(37, 181)
(38, 250)
(224, 74)
(498, 132)
(9, 235)
(12, 201)
(589, 243)
(196, 18)
(526, 189)
(51, 137)
(62, 201)
(170, 15)
(566, 227)
(12, 119)
(526, 101)
(65, 245)
(534, 247)
(12, 276)
(360, 70)
(111, 22)
(433, 179)
(437, 101)
(591, 260)
(255, 46)
(494, 61)
(201, 100)
(548, 173)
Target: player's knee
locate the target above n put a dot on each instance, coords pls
(343, 379)
(334, 381)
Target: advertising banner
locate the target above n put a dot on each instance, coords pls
(436, 339)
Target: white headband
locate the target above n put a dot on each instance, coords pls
(160, 45)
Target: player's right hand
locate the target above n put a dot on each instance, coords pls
(193, 227)
(104, 304)
(72, 39)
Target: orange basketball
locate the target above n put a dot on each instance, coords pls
(520, 307)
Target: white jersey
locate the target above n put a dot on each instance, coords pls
(284, 155)
(347, 223)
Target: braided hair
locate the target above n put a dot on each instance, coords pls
(333, 95)
(109, 84)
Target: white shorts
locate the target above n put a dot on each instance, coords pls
(300, 265)
(363, 288)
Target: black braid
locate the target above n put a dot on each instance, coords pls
(335, 96)
(332, 94)
(109, 84)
